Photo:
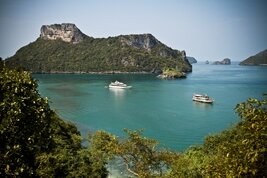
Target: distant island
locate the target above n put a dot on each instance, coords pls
(63, 48)
(191, 60)
(225, 61)
(258, 59)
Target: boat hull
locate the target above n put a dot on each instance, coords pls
(203, 101)
(120, 87)
(202, 98)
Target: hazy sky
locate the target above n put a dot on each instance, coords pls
(205, 29)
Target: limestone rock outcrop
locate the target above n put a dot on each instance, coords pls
(225, 61)
(66, 32)
(140, 41)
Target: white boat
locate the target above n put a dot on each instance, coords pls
(119, 85)
(202, 98)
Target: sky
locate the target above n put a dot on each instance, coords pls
(205, 29)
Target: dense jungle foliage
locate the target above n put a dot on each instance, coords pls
(35, 142)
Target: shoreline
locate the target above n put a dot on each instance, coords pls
(82, 72)
(101, 72)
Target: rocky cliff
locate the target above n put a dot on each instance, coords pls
(66, 32)
(143, 41)
(258, 59)
(225, 61)
(65, 49)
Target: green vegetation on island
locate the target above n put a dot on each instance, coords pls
(258, 59)
(125, 53)
(171, 73)
(35, 142)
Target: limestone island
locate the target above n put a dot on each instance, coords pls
(225, 61)
(171, 73)
(63, 48)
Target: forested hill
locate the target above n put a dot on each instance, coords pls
(64, 48)
(258, 59)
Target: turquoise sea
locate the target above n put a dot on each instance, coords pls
(163, 108)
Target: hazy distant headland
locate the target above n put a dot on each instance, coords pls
(191, 60)
(258, 59)
(63, 48)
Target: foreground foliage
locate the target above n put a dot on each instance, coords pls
(25, 120)
(139, 154)
(240, 151)
(35, 142)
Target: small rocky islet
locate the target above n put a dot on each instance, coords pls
(225, 61)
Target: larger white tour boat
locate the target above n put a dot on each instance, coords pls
(202, 98)
(119, 85)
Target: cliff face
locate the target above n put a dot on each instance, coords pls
(125, 53)
(66, 32)
(258, 59)
(149, 43)
(144, 41)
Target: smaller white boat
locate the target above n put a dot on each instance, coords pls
(119, 85)
(202, 98)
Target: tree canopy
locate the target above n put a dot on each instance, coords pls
(35, 142)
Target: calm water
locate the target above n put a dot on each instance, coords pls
(163, 108)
